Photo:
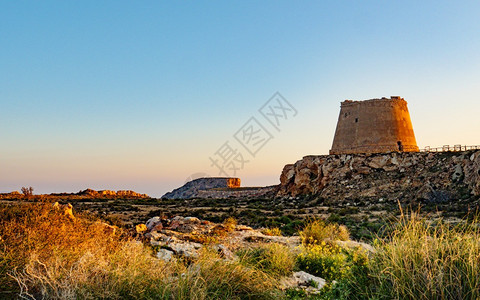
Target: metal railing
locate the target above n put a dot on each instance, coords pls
(448, 148)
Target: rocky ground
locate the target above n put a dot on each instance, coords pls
(185, 237)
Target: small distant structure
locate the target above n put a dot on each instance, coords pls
(374, 126)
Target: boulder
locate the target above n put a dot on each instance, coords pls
(151, 223)
(165, 255)
(185, 249)
(304, 278)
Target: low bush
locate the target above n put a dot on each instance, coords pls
(419, 259)
(330, 261)
(324, 260)
(230, 224)
(317, 231)
(275, 259)
(273, 231)
(214, 278)
(429, 261)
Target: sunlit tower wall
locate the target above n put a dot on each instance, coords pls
(374, 126)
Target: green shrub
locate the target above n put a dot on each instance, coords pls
(211, 277)
(324, 260)
(272, 258)
(419, 260)
(429, 261)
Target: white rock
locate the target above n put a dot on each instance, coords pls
(165, 255)
(458, 172)
(304, 278)
(188, 250)
(152, 222)
(353, 244)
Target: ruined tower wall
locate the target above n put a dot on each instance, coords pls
(374, 126)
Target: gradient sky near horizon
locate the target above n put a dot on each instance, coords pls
(138, 95)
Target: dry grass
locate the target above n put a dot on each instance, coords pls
(274, 231)
(272, 258)
(49, 254)
(419, 260)
(46, 254)
(230, 224)
(214, 278)
(317, 231)
(429, 261)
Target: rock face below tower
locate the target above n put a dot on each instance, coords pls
(374, 126)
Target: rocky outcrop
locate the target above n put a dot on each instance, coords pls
(185, 236)
(113, 194)
(192, 189)
(82, 195)
(434, 176)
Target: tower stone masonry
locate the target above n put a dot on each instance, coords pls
(374, 126)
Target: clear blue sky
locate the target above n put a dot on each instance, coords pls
(138, 95)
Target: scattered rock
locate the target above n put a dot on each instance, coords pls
(165, 255)
(308, 282)
(354, 244)
(304, 278)
(153, 222)
(457, 173)
(185, 249)
(243, 228)
(224, 252)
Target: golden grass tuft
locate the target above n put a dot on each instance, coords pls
(274, 231)
(230, 224)
(425, 260)
(317, 231)
(272, 258)
(214, 278)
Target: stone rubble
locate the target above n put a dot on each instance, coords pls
(184, 238)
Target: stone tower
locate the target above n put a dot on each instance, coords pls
(374, 126)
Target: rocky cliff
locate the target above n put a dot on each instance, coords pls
(85, 194)
(432, 177)
(192, 189)
(114, 194)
